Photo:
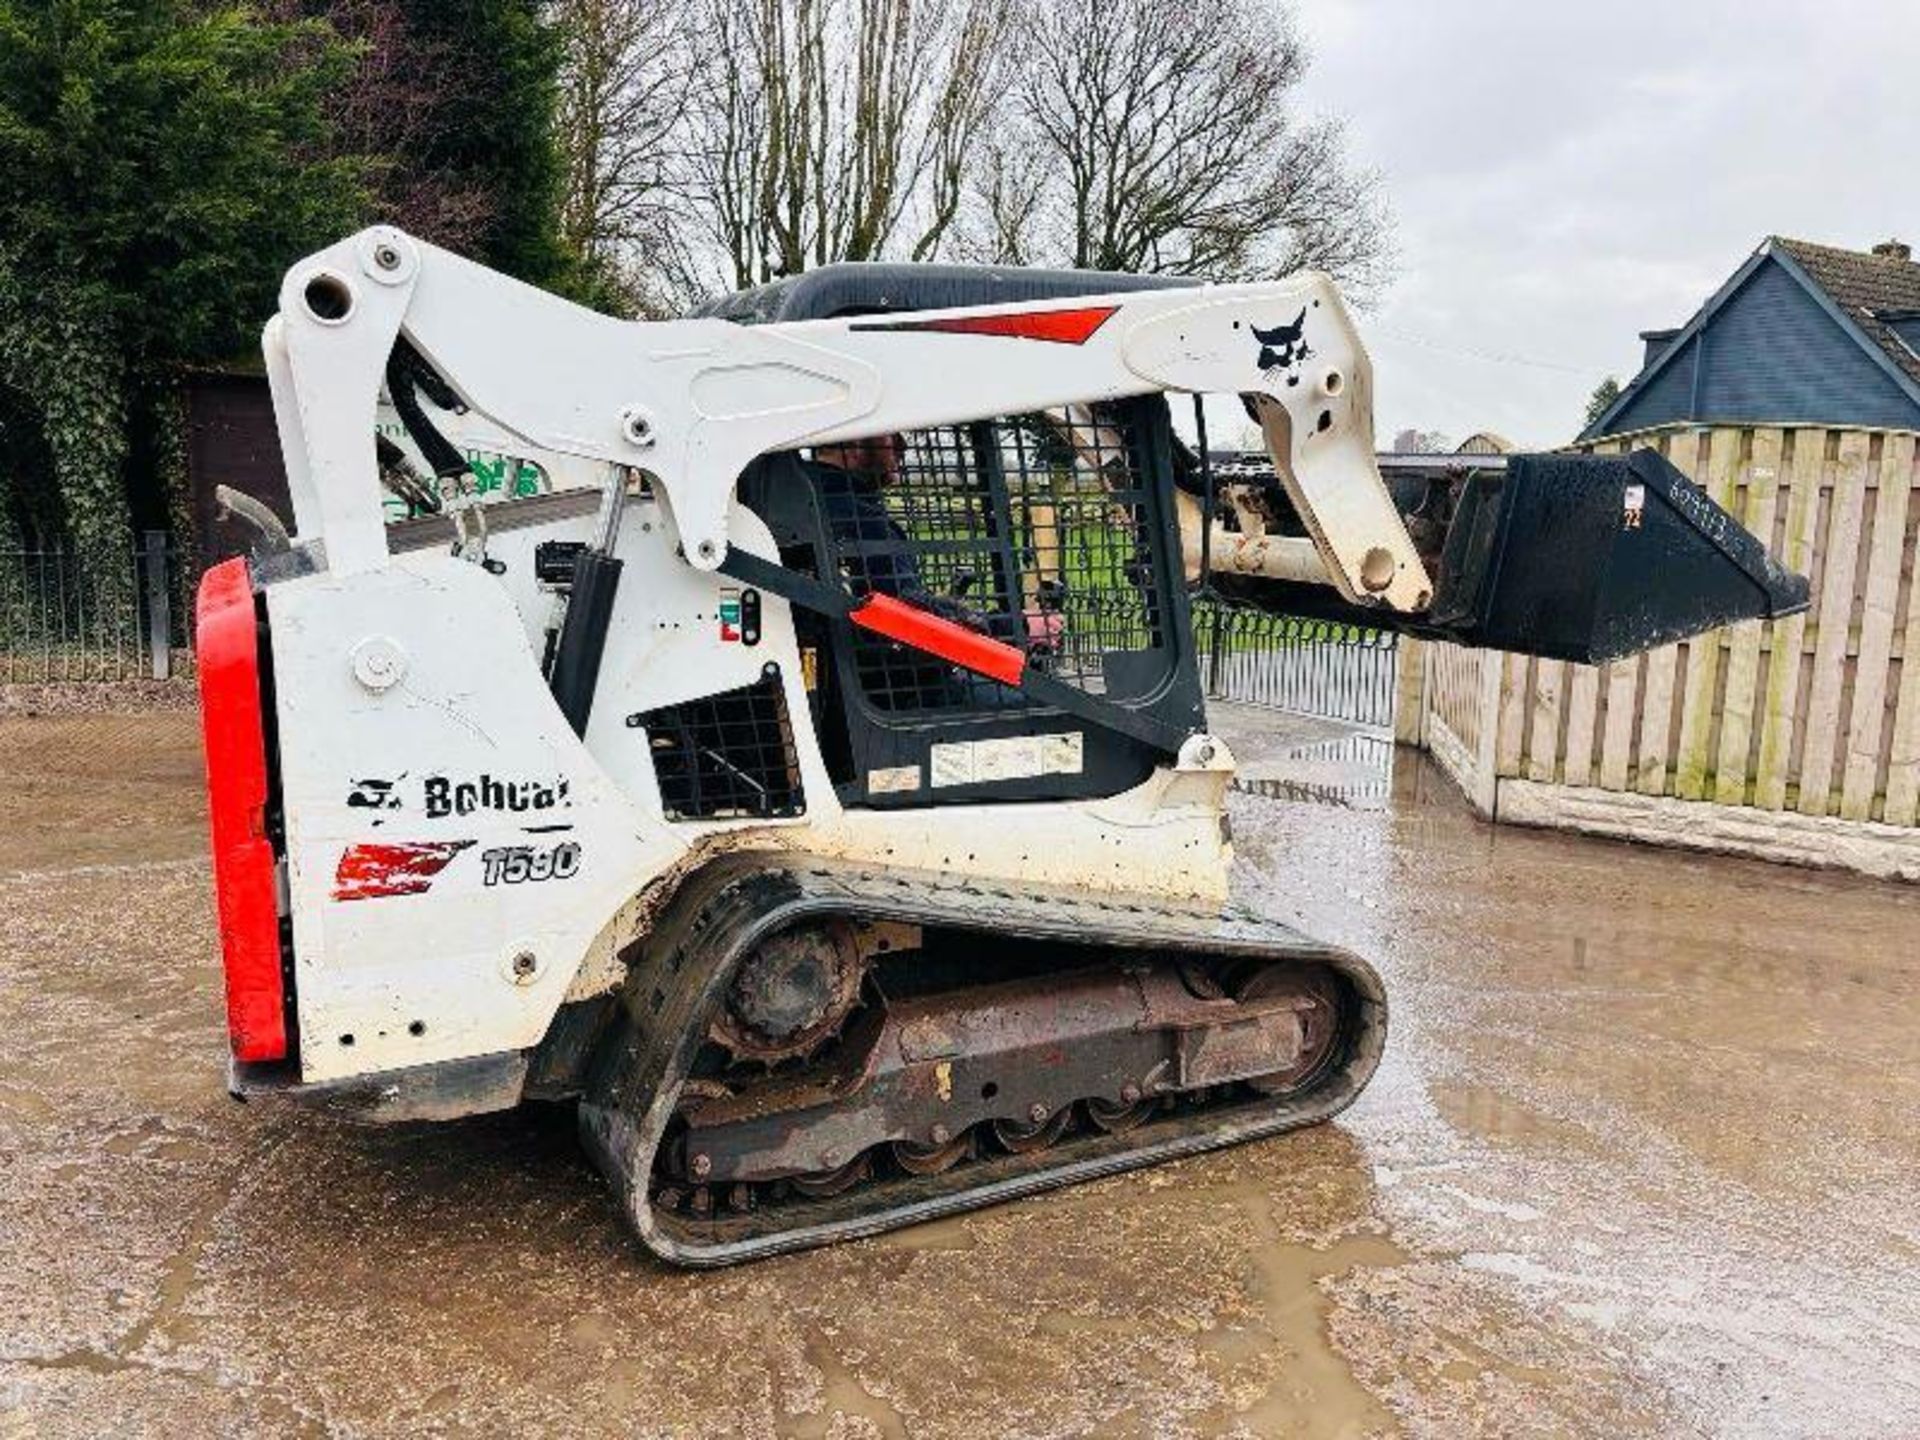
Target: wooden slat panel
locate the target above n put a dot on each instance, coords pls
(1440, 672)
(1903, 761)
(1763, 706)
(1543, 740)
(1512, 718)
(1656, 697)
(1457, 692)
(1861, 776)
(1789, 636)
(1831, 623)
(1493, 673)
(1694, 762)
(1583, 707)
(1411, 677)
(1762, 475)
(1619, 680)
(1616, 744)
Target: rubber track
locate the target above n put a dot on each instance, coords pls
(721, 913)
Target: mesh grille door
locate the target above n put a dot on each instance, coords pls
(1037, 530)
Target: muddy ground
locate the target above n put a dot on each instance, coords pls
(1642, 1160)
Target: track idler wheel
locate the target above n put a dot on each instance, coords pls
(1319, 1022)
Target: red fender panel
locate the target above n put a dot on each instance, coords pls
(227, 648)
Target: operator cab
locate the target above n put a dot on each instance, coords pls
(1052, 532)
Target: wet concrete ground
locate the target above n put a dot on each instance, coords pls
(1642, 1160)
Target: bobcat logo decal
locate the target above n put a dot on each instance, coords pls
(375, 795)
(1284, 347)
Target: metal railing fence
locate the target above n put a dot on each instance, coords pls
(1287, 662)
(67, 616)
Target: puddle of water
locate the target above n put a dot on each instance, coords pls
(1644, 1134)
(100, 790)
(1305, 758)
(593, 1331)
(1355, 772)
(1660, 1098)
(19, 1103)
(934, 1235)
(1318, 1394)
(843, 1399)
(1491, 1114)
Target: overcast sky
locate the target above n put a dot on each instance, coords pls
(1565, 176)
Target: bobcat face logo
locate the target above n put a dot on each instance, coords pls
(1284, 347)
(375, 795)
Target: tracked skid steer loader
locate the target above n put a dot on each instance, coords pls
(813, 780)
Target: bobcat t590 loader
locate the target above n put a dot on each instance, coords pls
(814, 783)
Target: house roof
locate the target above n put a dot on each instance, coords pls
(1867, 288)
(1860, 290)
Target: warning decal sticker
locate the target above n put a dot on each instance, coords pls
(893, 780)
(1017, 757)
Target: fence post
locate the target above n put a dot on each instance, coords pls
(153, 563)
(1217, 659)
(1410, 693)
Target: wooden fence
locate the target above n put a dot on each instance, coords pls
(1796, 740)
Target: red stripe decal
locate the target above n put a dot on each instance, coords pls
(897, 620)
(227, 647)
(1063, 327)
(373, 871)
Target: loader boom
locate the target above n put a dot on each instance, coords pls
(692, 402)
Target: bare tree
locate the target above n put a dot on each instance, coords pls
(1009, 207)
(1162, 135)
(621, 123)
(1421, 442)
(722, 143)
(838, 129)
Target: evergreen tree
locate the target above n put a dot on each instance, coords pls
(1601, 401)
(492, 131)
(160, 166)
(455, 101)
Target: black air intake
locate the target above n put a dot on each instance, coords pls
(726, 756)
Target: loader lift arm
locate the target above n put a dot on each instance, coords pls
(691, 402)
